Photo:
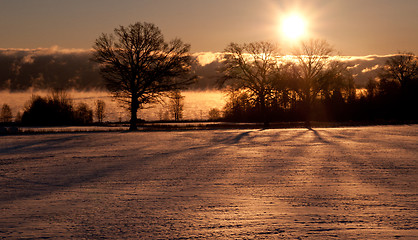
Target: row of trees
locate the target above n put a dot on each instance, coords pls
(312, 85)
(393, 93)
(140, 68)
(58, 109)
(257, 75)
(55, 109)
(260, 78)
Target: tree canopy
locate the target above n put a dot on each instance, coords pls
(251, 68)
(139, 66)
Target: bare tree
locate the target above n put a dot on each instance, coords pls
(402, 68)
(250, 67)
(139, 66)
(6, 114)
(315, 71)
(18, 117)
(398, 86)
(176, 105)
(100, 110)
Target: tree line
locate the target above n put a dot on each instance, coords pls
(312, 84)
(140, 67)
(55, 109)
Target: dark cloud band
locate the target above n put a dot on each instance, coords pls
(44, 68)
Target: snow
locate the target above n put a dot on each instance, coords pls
(357, 182)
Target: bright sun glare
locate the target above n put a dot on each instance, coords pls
(293, 27)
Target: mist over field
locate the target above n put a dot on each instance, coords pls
(197, 103)
(22, 69)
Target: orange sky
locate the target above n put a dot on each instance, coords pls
(355, 27)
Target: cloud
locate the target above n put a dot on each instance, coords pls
(364, 67)
(21, 69)
(205, 58)
(365, 58)
(370, 69)
(53, 67)
(43, 51)
(352, 67)
(28, 59)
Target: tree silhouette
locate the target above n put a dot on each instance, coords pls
(83, 114)
(214, 114)
(398, 85)
(6, 114)
(402, 68)
(250, 68)
(176, 105)
(100, 110)
(139, 66)
(315, 72)
(53, 110)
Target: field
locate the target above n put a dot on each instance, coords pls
(344, 183)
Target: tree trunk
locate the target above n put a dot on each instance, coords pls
(264, 112)
(134, 119)
(308, 112)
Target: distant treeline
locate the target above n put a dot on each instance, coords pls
(376, 88)
(316, 89)
(65, 69)
(56, 109)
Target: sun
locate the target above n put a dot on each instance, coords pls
(293, 26)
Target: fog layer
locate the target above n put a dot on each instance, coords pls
(21, 69)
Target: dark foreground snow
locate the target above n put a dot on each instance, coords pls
(234, 184)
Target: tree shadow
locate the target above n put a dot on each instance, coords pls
(50, 183)
(319, 136)
(50, 143)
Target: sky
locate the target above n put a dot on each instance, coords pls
(353, 27)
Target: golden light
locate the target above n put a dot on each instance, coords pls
(293, 27)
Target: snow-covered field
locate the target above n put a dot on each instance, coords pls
(344, 183)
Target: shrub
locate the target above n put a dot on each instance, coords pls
(214, 114)
(46, 112)
(83, 114)
(55, 110)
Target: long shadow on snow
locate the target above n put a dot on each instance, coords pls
(374, 171)
(56, 179)
(49, 184)
(47, 144)
(32, 188)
